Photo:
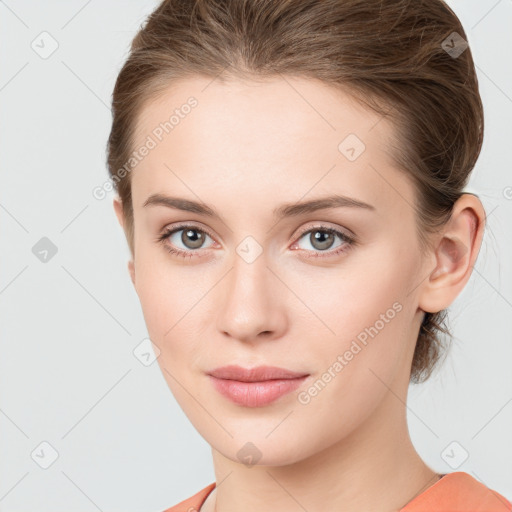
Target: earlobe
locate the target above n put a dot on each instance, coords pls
(455, 255)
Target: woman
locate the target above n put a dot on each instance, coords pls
(291, 179)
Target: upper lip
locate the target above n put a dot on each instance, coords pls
(258, 374)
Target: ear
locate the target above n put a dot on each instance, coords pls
(131, 271)
(456, 250)
(118, 208)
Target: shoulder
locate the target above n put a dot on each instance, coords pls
(458, 492)
(192, 504)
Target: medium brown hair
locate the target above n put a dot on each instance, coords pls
(391, 55)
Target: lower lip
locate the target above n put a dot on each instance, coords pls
(255, 394)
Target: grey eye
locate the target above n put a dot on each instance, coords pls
(322, 239)
(188, 238)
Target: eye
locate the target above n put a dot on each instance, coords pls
(322, 238)
(184, 240)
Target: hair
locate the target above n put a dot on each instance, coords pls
(389, 55)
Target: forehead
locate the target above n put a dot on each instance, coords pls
(287, 106)
(287, 133)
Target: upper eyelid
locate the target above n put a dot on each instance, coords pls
(324, 226)
(178, 227)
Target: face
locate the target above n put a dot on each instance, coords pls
(258, 280)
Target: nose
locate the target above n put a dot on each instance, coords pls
(251, 302)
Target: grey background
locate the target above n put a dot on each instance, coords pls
(69, 326)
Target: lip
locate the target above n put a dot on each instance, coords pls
(257, 374)
(255, 387)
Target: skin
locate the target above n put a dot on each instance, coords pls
(246, 149)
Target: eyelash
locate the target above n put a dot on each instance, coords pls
(348, 240)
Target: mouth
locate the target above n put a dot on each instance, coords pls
(257, 374)
(255, 387)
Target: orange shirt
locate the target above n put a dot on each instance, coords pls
(454, 492)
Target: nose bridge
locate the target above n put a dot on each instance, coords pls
(249, 303)
(249, 269)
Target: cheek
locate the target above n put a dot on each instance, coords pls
(168, 309)
(362, 314)
(355, 366)
(163, 297)
(173, 301)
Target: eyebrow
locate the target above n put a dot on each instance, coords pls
(285, 210)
